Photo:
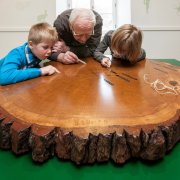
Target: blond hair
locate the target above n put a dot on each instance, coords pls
(126, 41)
(42, 32)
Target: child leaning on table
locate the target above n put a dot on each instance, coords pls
(22, 62)
(124, 43)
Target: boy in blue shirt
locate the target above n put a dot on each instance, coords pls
(21, 63)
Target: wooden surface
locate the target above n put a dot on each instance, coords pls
(88, 113)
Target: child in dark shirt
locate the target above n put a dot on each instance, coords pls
(124, 43)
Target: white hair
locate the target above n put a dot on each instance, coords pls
(83, 13)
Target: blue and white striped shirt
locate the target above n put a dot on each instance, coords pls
(19, 65)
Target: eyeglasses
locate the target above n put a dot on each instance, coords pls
(76, 34)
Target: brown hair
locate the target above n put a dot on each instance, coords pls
(126, 41)
(42, 32)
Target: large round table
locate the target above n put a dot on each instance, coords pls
(88, 113)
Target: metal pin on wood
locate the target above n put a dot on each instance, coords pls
(79, 60)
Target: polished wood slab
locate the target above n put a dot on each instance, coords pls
(89, 99)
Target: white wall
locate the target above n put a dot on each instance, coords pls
(123, 12)
(16, 18)
(160, 22)
(61, 5)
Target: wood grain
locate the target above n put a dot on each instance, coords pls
(88, 113)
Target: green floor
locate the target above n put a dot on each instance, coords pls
(12, 167)
(18, 168)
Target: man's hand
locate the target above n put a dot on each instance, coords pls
(60, 46)
(67, 58)
(48, 70)
(106, 62)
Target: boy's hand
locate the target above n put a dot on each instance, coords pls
(106, 62)
(48, 70)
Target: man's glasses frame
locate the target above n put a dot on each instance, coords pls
(76, 34)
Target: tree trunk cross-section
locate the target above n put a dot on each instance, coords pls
(90, 114)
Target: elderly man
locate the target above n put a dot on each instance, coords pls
(79, 32)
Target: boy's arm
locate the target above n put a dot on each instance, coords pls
(11, 71)
(102, 47)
